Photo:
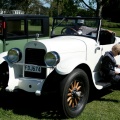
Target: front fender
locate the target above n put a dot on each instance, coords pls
(3, 57)
(13, 70)
(67, 65)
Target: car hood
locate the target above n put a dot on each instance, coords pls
(60, 44)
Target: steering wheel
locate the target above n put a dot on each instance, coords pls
(65, 28)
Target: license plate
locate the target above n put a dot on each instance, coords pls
(33, 68)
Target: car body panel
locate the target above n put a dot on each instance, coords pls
(15, 43)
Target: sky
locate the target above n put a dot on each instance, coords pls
(48, 5)
(45, 4)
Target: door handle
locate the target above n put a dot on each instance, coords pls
(98, 48)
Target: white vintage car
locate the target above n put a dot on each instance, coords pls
(68, 63)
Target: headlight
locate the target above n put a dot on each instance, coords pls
(52, 58)
(14, 55)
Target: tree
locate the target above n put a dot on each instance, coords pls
(69, 8)
(63, 7)
(94, 5)
(28, 6)
(5, 5)
(111, 11)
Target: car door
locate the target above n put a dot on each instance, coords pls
(96, 58)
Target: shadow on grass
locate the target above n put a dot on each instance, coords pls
(111, 100)
(28, 104)
(112, 89)
(23, 103)
(97, 94)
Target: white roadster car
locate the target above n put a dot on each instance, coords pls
(68, 63)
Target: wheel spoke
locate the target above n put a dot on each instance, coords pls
(78, 88)
(72, 87)
(73, 105)
(76, 102)
(77, 84)
(69, 94)
(70, 90)
(69, 98)
(70, 102)
(74, 83)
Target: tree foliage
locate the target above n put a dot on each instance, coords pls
(111, 11)
(72, 7)
(63, 7)
(5, 4)
(28, 6)
(108, 9)
(94, 5)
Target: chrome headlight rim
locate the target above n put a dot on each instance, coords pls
(14, 55)
(51, 58)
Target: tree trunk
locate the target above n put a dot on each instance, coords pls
(99, 9)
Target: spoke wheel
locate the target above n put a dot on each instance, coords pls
(74, 93)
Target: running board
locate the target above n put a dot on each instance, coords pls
(104, 84)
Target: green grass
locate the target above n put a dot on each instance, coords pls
(116, 30)
(104, 105)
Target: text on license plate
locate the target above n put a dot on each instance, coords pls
(33, 68)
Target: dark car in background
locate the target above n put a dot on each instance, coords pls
(18, 29)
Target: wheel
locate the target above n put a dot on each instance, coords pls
(64, 31)
(74, 93)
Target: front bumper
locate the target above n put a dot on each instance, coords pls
(26, 84)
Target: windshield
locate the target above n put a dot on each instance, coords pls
(75, 26)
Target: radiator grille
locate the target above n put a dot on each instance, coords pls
(36, 57)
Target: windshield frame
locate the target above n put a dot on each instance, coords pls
(61, 19)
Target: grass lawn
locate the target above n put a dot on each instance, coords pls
(116, 30)
(104, 105)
